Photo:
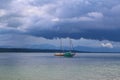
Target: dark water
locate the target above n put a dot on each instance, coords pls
(45, 66)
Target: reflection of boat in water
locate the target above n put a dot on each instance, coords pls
(66, 54)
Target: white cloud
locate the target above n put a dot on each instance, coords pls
(116, 9)
(74, 19)
(91, 16)
(107, 45)
(96, 15)
(2, 12)
(33, 15)
(86, 19)
(55, 19)
(3, 25)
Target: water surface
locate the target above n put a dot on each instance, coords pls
(45, 66)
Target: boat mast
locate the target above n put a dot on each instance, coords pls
(71, 45)
(61, 45)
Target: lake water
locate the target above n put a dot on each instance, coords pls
(45, 66)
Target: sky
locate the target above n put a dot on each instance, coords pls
(91, 23)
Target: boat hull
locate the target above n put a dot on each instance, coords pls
(66, 54)
(69, 54)
(59, 54)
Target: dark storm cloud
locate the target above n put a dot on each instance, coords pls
(112, 35)
(90, 19)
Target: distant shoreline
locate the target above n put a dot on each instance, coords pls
(33, 50)
(28, 50)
